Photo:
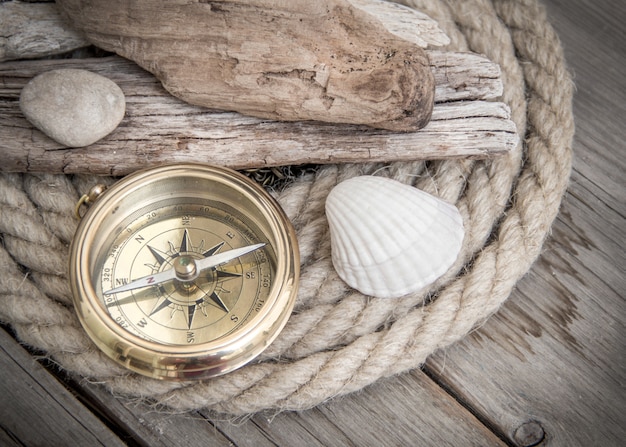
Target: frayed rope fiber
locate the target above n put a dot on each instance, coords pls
(337, 341)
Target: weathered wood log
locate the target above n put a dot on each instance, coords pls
(159, 128)
(328, 60)
(35, 30)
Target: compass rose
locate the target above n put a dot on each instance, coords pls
(203, 293)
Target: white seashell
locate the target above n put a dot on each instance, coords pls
(389, 239)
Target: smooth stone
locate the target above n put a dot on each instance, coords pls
(73, 107)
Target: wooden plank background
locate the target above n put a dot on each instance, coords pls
(548, 369)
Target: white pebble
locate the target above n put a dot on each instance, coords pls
(73, 107)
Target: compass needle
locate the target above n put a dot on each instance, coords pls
(145, 281)
(186, 264)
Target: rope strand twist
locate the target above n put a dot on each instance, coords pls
(338, 341)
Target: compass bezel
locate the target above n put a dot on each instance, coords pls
(180, 362)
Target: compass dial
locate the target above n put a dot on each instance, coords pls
(184, 271)
(211, 305)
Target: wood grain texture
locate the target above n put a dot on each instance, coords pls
(159, 128)
(289, 61)
(151, 426)
(35, 30)
(396, 412)
(550, 367)
(35, 409)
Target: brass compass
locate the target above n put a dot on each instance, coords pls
(184, 271)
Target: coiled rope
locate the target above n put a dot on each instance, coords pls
(337, 341)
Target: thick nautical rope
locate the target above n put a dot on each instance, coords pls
(337, 341)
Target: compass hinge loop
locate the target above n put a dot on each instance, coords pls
(89, 198)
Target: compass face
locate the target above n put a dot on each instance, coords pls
(214, 303)
(184, 271)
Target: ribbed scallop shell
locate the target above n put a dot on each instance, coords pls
(389, 239)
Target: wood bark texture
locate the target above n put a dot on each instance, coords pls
(327, 60)
(35, 30)
(159, 128)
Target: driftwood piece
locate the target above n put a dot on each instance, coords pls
(159, 128)
(324, 60)
(407, 23)
(35, 30)
(40, 24)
